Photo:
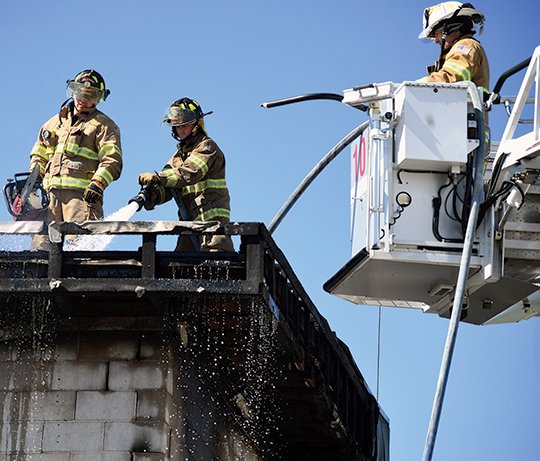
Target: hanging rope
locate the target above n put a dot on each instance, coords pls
(378, 351)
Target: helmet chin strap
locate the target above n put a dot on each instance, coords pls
(174, 134)
(443, 46)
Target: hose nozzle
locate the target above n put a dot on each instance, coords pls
(142, 197)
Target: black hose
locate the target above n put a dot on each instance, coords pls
(436, 202)
(509, 73)
(323, 163)
(309, 97)
(495, 173)
(304, 97)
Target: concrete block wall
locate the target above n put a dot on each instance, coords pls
(95, 395)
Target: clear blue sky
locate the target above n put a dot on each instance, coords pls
(233, 55)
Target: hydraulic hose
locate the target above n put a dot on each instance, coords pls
(331, 155)
(304, 97)
(513, 70)
(308, 97)
(495, 94)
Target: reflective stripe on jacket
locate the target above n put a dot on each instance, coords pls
(74, 150)
(198, 170)
(465, 60)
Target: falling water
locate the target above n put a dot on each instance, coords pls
(227, 365)
(25, 343)
(100, 242)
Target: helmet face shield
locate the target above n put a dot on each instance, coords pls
(176, 116)
(84, 90)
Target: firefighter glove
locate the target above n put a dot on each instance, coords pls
(93, 193)
(149, 178)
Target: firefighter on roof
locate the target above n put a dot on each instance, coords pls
(78, 152)
(194, 176)
(452, 26)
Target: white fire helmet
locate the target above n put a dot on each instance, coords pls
(435, 16)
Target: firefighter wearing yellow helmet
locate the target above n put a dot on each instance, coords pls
(452, 26)
(78, 152)
(194, 176)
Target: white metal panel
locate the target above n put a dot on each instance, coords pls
(432, 126)
(359, 192)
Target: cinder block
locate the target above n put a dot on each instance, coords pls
(21, 436)
(73, 436)
(65, 347)
(72, 375)
(24, 376)
(106, 406)
(53, 406)
(148, 457)
(152, 347)
(109, 345)
(154, 405)
(48, 457)
(10, 405)
(36, 457)
(121, 456)
(125, 376)
(37, 406)
(138, 437)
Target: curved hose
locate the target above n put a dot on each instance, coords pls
(309, 97)
(495, 94)
(331, 155)
(304, 97)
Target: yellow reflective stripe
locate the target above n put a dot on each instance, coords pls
(104, 176)
(203, 185)
(463, 72)
(65, 181)
(39, 151)
(108, 149)
(170, 177)
(87, 153)
(75, 149)
(213, 213)
(68, 147)
(199, 162)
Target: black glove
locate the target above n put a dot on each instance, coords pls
(93, 193)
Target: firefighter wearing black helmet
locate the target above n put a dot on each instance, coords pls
(452, 26)
(196, 173)
(78, 152)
